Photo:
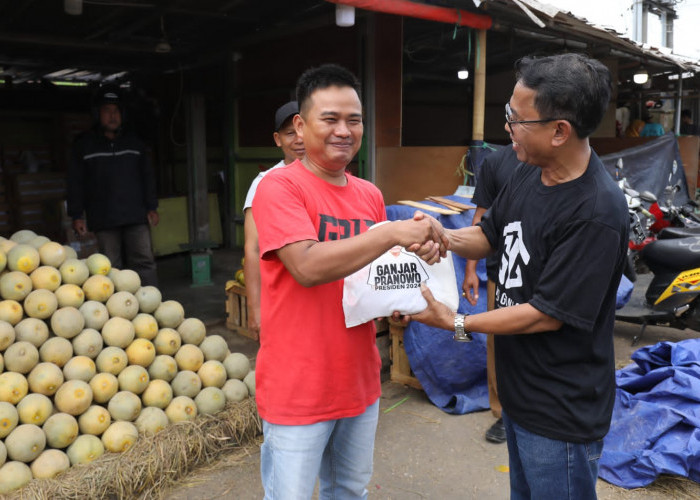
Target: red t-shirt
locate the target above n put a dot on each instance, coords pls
(310, 367)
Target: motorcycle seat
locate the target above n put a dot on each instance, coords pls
(670, 232)
(677, 254)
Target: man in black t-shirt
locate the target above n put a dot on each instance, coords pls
(492, 175)
(559, 229)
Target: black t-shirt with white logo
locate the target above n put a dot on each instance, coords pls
(561, 249)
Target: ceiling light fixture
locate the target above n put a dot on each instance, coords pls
(641, 76)
(463, 74)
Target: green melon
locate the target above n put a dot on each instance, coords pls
(23, 236)
(45, 378)
(149, 298)
(125, 406)
(189, 357)
(9, 418)
(98, 263)
(25, 442)
(79, 368)
(164, 367)
(70, 295)
(145, 326)
(32, 330)
(14, 475)
(85, 449)
(237, 365)
(67, 322)
(111, 360)
(214, 347)
(169, 314)
(46, 277)
(104, 386)
(3, 260)
(120, 436)
(73, 397)
(249, 381)
(23, 257)
(88, 343)
(127, 280)
(123, 304)
(235, 390)
(151, 420)
(21, 357)
(180, 409)
(39, 241)
(74, 272)
(212, 373)
(11, 311)
(61, 430)
(56, 350)
(50, 464)
(34, 409)
(95, 314)
(98, 287)
(52, 254)
(94, 421)
(158, 394)
(15, 285)
(6, 245)
(40, 304)
(192, 331)
(70, 252)
(7, 334)
(133, 378)
(3, 451)
(118, 332)
(210, 400)
(186, 383)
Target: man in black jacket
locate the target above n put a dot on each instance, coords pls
(111, 190)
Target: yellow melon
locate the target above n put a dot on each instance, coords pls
(7, 334)
(104, 386)
(145, 326)
(95, 420)
(61, 430)
(111, 360)
(70, 252)
(6, 245)
(79, 368)
(85, 449)
(14, 475)
(40, 304)
(214, 347)
(167, 341)
(123, 304)
(23, 236)
(118, 332)
(52, 254)
(189, 357)
(133, 378)
(15, 285)
(38, 242)
(74, 272)
(192, 331)
(127, 280)
(98, 263)
(212, 373)
(32, 330)
(141, 352)
(164, 367)
(169, 314)
(50, 464)
(210, 400)
(25, 442)
(88, 343)
(249, 381)
(70, 295)
(45, 378)
(95, 314)
(120, 436)
(158, 393)
(237, 365)
(149, 298)
(151, 420)
(186, 383)
(3, 453)
(180, 409)
(67, 322)
(3, 261)
(11, 311)
(73, 397)
(21, 357)
(235, 390)
(98, 287)
(23, 257)
(56, 350)
(125, 406)
(9, 418)
(34, 409)
(46, 277)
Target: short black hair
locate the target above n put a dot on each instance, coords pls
(322, 77)
(570, 87)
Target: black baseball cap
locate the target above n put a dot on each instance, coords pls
(284, 112)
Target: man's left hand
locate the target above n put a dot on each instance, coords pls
(153, 218)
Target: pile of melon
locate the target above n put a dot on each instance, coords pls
(90, 360)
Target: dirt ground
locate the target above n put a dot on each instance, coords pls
(424, 453)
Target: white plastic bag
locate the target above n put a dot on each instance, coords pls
(392, 283)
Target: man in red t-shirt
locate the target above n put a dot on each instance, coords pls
(317, 381)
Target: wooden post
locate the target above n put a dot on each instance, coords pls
(479, 88)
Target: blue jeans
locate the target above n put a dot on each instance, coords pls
(338, 452)
(544, 469)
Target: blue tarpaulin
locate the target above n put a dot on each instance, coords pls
(656, 420)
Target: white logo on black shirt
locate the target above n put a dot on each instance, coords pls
(514, 256)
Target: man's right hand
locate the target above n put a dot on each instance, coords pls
(80, 227)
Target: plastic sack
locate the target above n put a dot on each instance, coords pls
(392, 283)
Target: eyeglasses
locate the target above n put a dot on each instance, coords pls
(509, 113)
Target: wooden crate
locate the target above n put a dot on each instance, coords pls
(236, 310)
(400, 367)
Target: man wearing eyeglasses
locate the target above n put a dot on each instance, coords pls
(559, 230)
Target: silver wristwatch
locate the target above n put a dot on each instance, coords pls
(460, 335)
